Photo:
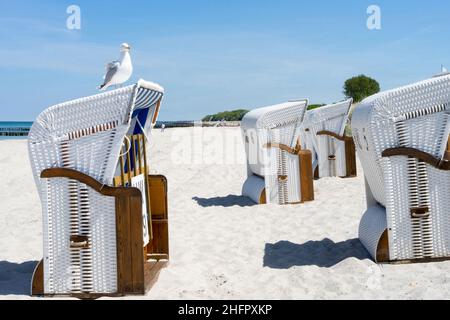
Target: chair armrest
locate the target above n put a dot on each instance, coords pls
(89, 181)
(288, 149)
(418, 154)
(334, 135)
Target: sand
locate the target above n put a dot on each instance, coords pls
(222, 245)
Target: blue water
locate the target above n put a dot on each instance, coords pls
(13, 126)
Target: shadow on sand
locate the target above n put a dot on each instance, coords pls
(324, 253)
(228, 201)
(15, 278)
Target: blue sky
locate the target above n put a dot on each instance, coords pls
(215, 55)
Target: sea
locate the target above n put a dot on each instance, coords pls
(14, 129)
(19, 129)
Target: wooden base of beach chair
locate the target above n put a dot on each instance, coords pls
(138, 267)
(383, 254)
(447, 150)
(262, 197)
(316, 173)
(306, 176)
(37, 280)
(350, 158)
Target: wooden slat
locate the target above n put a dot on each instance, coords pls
(37, 281)
(124, 255)
(158, 194)
(138, 165)
(447, 151)
(383, 248)
(262, 197)
(136, 240)
(160, 241)
(128, 173)
(350, 158)
(140, 151)
(122, 169)
(306, 176)
(159, 244)
(133, 150)
(155, 115)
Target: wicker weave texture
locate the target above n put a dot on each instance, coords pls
(279, 124)
(86, 135)
(77, 270)
(371, 228)
(414, 116)
(378, 119)
(329, 152)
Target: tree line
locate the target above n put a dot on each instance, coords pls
(358, 88)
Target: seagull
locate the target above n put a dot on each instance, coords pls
(118, 72)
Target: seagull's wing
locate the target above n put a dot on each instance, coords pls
(111, 70)
(111, 66)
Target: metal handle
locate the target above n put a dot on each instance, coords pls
(420, 212)
(79, 242)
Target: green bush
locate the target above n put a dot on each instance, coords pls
(315, 106)
(360, 87)
(235, 115)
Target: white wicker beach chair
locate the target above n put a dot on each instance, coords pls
(91, 221)
(275, 160)
(401, 137)
(323, 133)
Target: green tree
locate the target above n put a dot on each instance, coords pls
(360, 87)
(235, 115)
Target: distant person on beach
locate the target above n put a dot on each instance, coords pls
(163, 126)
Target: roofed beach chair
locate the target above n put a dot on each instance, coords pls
(278, 171)
(104, 218)
(323, 133)
(401, 138)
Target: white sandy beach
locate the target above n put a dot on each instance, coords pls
(221, 245)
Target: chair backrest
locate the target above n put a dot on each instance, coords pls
(414, 116)
(279, 123)
(87, 134)
(271, 136)
(331, 118)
